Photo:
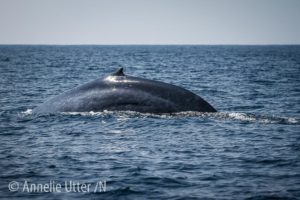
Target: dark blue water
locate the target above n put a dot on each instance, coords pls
(249, 150)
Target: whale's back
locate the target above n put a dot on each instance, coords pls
(120, 92)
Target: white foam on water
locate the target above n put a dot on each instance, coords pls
(292, 120)
(249, 117)
(241, 116)
(244, 117)
(27, 112)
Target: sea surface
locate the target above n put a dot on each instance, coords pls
(250, 149)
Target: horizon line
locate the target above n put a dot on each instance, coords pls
(146, 44)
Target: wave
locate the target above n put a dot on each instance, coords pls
(249, 117)
(223, 116)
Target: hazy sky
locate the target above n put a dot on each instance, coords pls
(149, 21)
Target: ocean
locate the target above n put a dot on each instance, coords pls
(250, 149)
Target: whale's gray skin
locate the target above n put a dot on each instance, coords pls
(119, 92)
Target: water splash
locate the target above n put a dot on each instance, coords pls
(249, 117)
(27, 112)
(222, 116)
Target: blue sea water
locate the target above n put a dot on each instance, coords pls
(250, 149)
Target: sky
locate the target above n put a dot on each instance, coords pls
(149, 21)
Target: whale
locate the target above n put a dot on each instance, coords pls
(120, 92)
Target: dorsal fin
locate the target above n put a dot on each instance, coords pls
(119, 72)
